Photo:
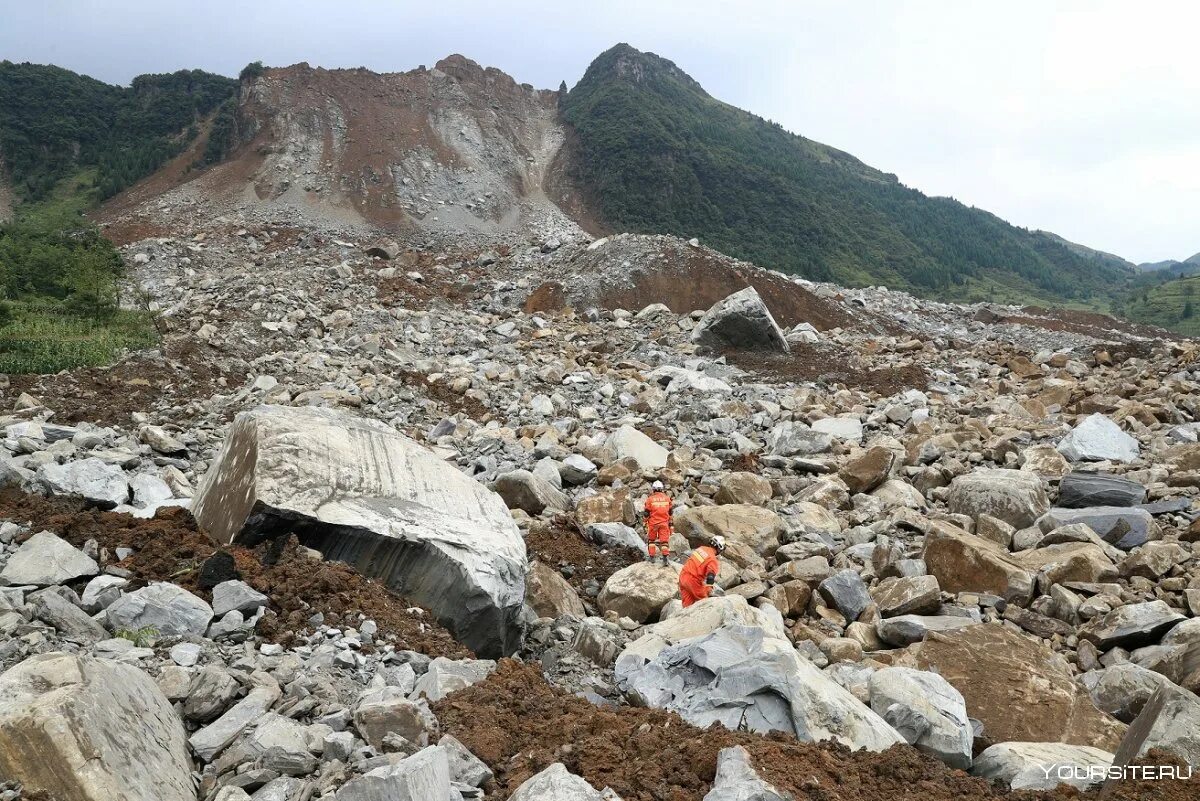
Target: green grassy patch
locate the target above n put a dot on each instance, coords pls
(47, 339)
(1174, 304)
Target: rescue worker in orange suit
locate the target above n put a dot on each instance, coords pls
(698, 579)
(658, 523)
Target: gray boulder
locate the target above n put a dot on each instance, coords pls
(577, 470)
(742, 679)
(906, 629)
(91, 730)
(444, 676)
(45, 559)
(1097, 439)
(236, 595)
(1042, 766)
(424, 776)
(1131, 625)
(846, 592)
(742, 321)
(615, 535)
(170, 610)
(1124, 527)
(1123, 690)
(792, 438)
(555, 783)
(91, 479)
(522, 489)
(1170, 720)
(926, 710)
(360, 492)
(737, 780)
(1014, 496)
(1081, 490)
(67, 619)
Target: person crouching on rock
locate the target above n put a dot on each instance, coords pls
(658, 523)
(698, 579)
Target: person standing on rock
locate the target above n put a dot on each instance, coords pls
(698, 579)
(658, 523)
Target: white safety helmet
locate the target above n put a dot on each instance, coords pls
(657, 486)
(718, 542)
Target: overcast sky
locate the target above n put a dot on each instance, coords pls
(1078, 116)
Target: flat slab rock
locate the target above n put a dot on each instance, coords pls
(362, 493)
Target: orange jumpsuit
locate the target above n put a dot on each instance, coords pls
(658, 524)
(699, 574)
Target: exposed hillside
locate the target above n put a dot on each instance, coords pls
(456, 149)
(54, 122)
(657, 153)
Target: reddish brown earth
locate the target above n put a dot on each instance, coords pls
(560, 543)
(518, 724)
(178, 373)
(830, 364)
(171, 547)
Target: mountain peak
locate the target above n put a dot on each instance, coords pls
(625, 62)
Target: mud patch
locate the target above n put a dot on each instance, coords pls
(171, 547)
(560, 544)
(825, 364)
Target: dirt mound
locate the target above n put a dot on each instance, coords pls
(177, 373)
(561, 544)
(633, 271)
(171, 547)
(828, 364)
(1092, 324)
(519, 724)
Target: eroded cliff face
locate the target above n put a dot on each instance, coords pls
(457, 148)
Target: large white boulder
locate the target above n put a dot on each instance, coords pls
(170, 610)
(362, 493)
(1097, 438)
(742, 679)
(629, 443)
(1042, 766)
(740, 321)
(556, 783)
(91, 730)
(640, 590)
(91, 479)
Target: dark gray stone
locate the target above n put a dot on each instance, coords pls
(1081, 490)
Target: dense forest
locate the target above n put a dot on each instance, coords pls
(54, 122)
(657, 153)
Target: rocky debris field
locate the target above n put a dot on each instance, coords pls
(365, 526)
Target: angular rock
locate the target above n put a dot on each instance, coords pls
(1020, 689)
(465, 767)
(792, 438)
(1170, 720)
(846, 592)
(235, 594)
(91, 479)
(743, 488)
(847, 428)
(444, 676)
(424, 776)
(555, 783)
(1081, 490)
(1122, 690)
(1067, 561)
(640, 590)
(549, 593)
(908, 595)
(1042, 766)
(737, 780)
(1014, 496)
(359, 492)
(907, 629)
(577, 470)
(963, 562)
(1131, 625)
(386, 710)
(522, 489)
(753, 526)
(615, 535)
(88, 729)
(67, 619)
(1097, 439)
(704, 618)
(868, 471)
(170, 610)
(742, 679)
(45, 559)
(1124, 527)
(926, 710)
(215, 737)
(629, 443)
(741, 321)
